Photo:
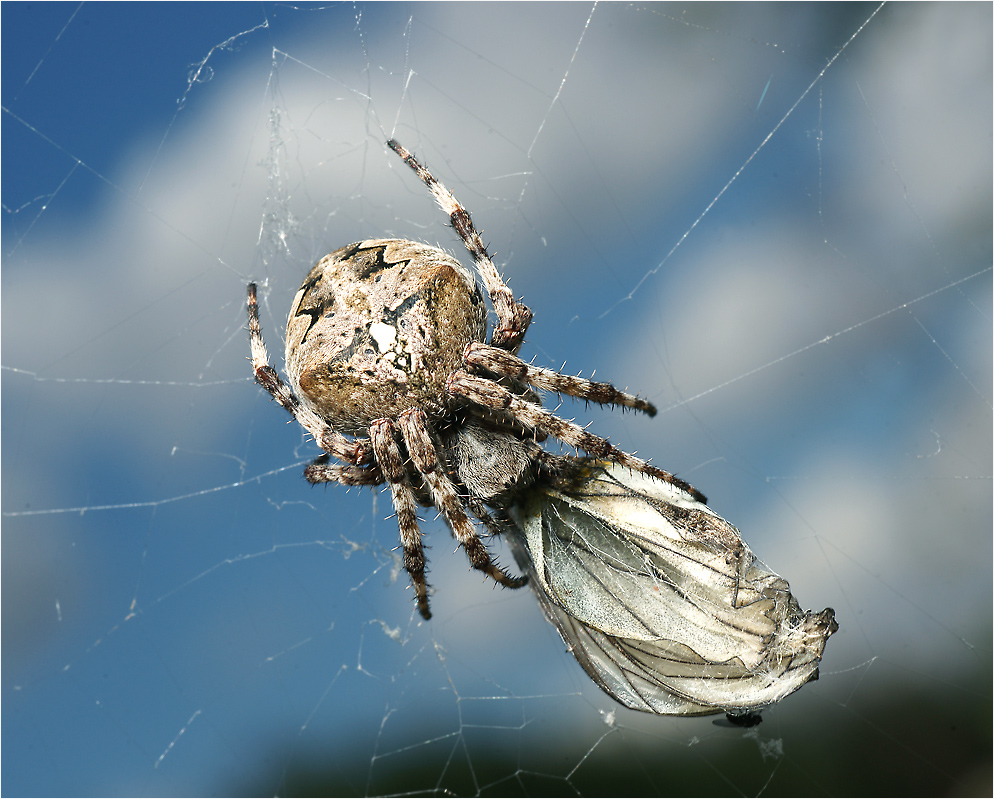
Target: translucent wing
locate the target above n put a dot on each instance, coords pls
(658, 597)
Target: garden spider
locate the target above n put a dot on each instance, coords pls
(388, 369)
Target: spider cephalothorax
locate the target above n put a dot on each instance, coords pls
(390, 372)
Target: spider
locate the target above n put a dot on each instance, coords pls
(390, 370)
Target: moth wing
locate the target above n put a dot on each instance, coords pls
(659, 599)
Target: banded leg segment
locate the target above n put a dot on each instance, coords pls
(503, 363)
(354, 451)
(494, 396)
(513, 317)
(413, 425)
(381, 433)
(320, 471)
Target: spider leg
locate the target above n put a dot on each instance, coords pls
(414, 426)
(381, 433)
(512, 316)
(320, 471)
(503, 363)
(489, 394)
(356, 452)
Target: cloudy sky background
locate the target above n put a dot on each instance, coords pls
(183, 614)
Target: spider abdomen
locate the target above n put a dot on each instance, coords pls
(376, 328)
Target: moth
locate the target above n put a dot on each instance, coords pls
(659, 598)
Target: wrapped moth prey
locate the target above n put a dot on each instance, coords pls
(659, 598)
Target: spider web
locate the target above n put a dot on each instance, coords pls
(773, 221)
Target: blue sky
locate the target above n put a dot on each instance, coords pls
(183, 614)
